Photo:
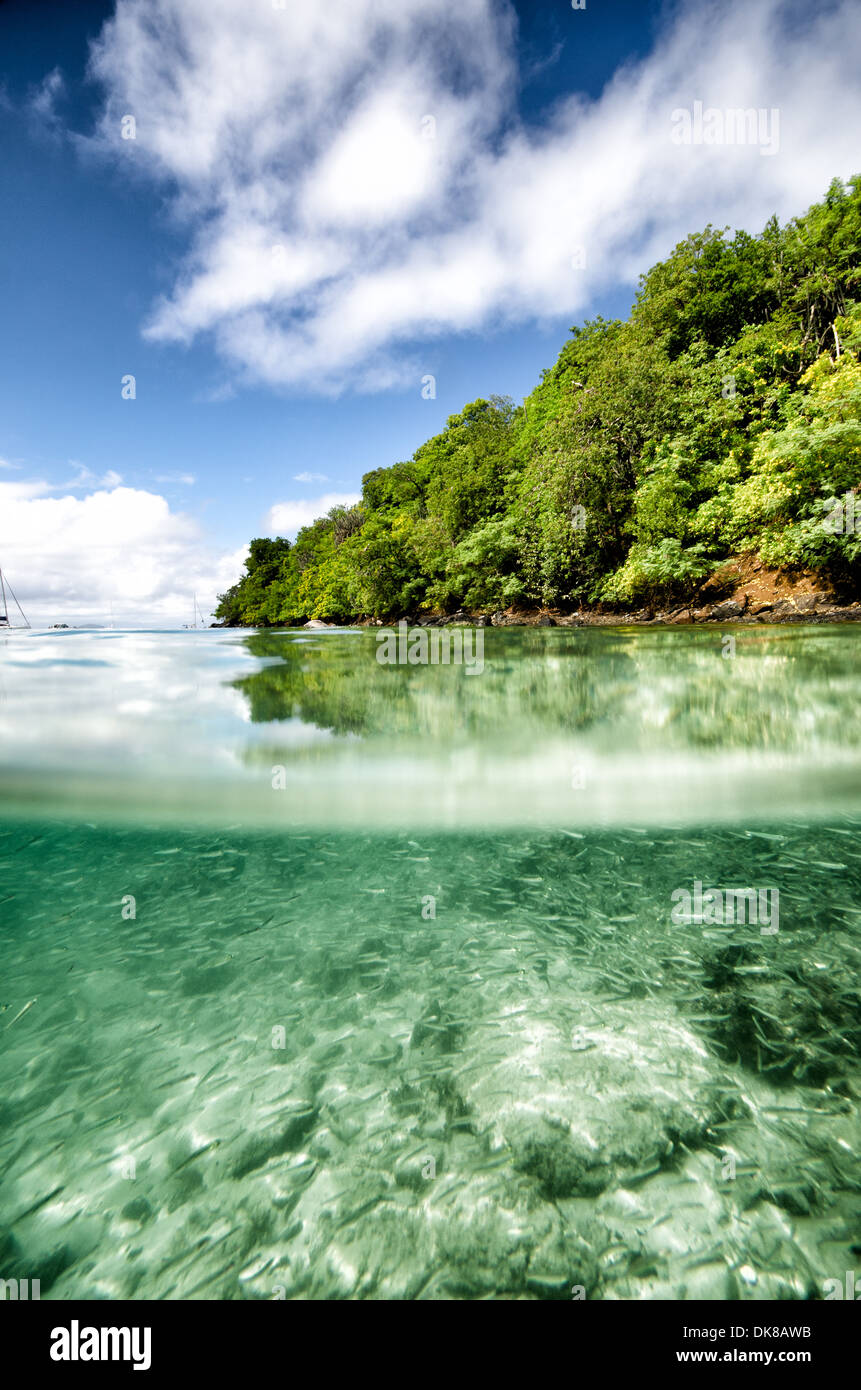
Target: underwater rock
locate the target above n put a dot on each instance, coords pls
(580, 1118)
(267, 1144)
(139, 1209)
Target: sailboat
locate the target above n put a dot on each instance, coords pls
(196, 613)
(5, 624)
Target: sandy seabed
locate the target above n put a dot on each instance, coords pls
(284, 1078)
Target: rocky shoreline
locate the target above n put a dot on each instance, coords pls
(811, 608)
(814, 609)
(742, 591)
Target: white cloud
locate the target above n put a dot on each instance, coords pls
(70, 558)
(286, 518)
(328, 235)
(186, 479)
(43, 102)
(84, 479)
(310, 478)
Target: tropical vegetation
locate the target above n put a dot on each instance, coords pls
(722, 417)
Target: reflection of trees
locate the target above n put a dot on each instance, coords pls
(336, 683)
(785, 689)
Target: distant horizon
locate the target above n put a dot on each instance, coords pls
(106, 620)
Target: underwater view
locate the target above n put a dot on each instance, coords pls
(529, 976)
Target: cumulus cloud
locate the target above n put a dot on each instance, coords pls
(71, 557)
(353, 183)
(286, 518)
(310, 478)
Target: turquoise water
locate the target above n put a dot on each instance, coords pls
(327, 979)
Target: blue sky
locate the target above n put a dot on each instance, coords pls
(320, 207)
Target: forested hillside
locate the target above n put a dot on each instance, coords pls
(724, 416)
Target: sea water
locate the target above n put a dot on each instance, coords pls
(326, 978)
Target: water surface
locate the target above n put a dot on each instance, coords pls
(328, 979)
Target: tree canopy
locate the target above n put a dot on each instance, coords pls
(724, 415)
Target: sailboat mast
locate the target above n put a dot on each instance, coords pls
(4, 585)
